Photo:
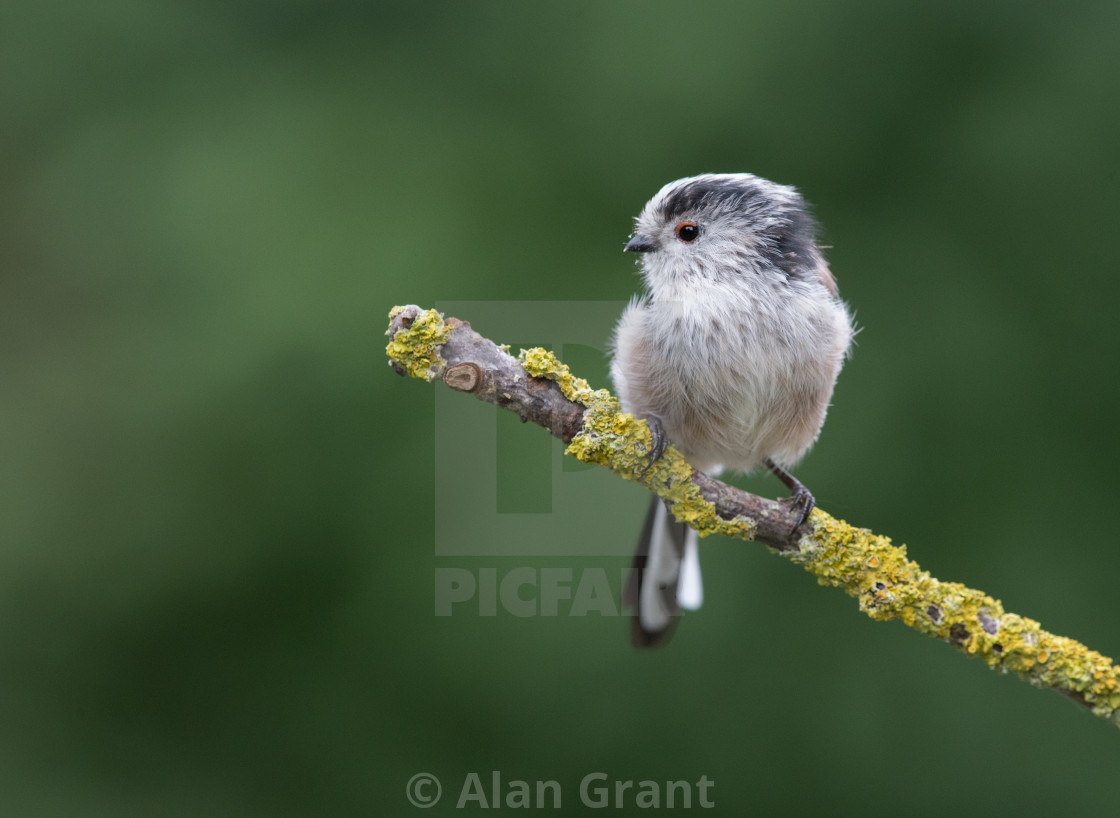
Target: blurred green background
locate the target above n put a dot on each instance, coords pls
(218, 539)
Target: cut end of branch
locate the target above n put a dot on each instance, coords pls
(463, 377)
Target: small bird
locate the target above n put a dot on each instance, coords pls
(731, 355)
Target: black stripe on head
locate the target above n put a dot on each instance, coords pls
(786, 227)
(723, 194)
(793, 240)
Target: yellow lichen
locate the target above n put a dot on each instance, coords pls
(540, 363)
(888, 585)
(416, 347)
(622, 443)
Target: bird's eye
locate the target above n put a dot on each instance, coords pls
(688, 232)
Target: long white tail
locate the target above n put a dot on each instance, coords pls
(665, 577)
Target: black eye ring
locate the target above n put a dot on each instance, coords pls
(688, 232)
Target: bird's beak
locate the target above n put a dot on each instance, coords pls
(640, 244)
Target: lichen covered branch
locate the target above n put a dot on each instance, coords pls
(887, 584)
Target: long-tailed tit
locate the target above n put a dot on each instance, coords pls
(731, 356)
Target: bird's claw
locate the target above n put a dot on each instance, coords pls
(802, 498)
(659, 442)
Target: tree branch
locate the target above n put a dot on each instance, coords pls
(867, 566)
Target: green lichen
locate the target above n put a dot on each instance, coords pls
(416, 347)
(888, 585)
(621, 442)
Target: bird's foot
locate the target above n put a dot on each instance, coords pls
(658, 443)
(802, 501)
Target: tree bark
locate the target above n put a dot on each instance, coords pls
(887, 584)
